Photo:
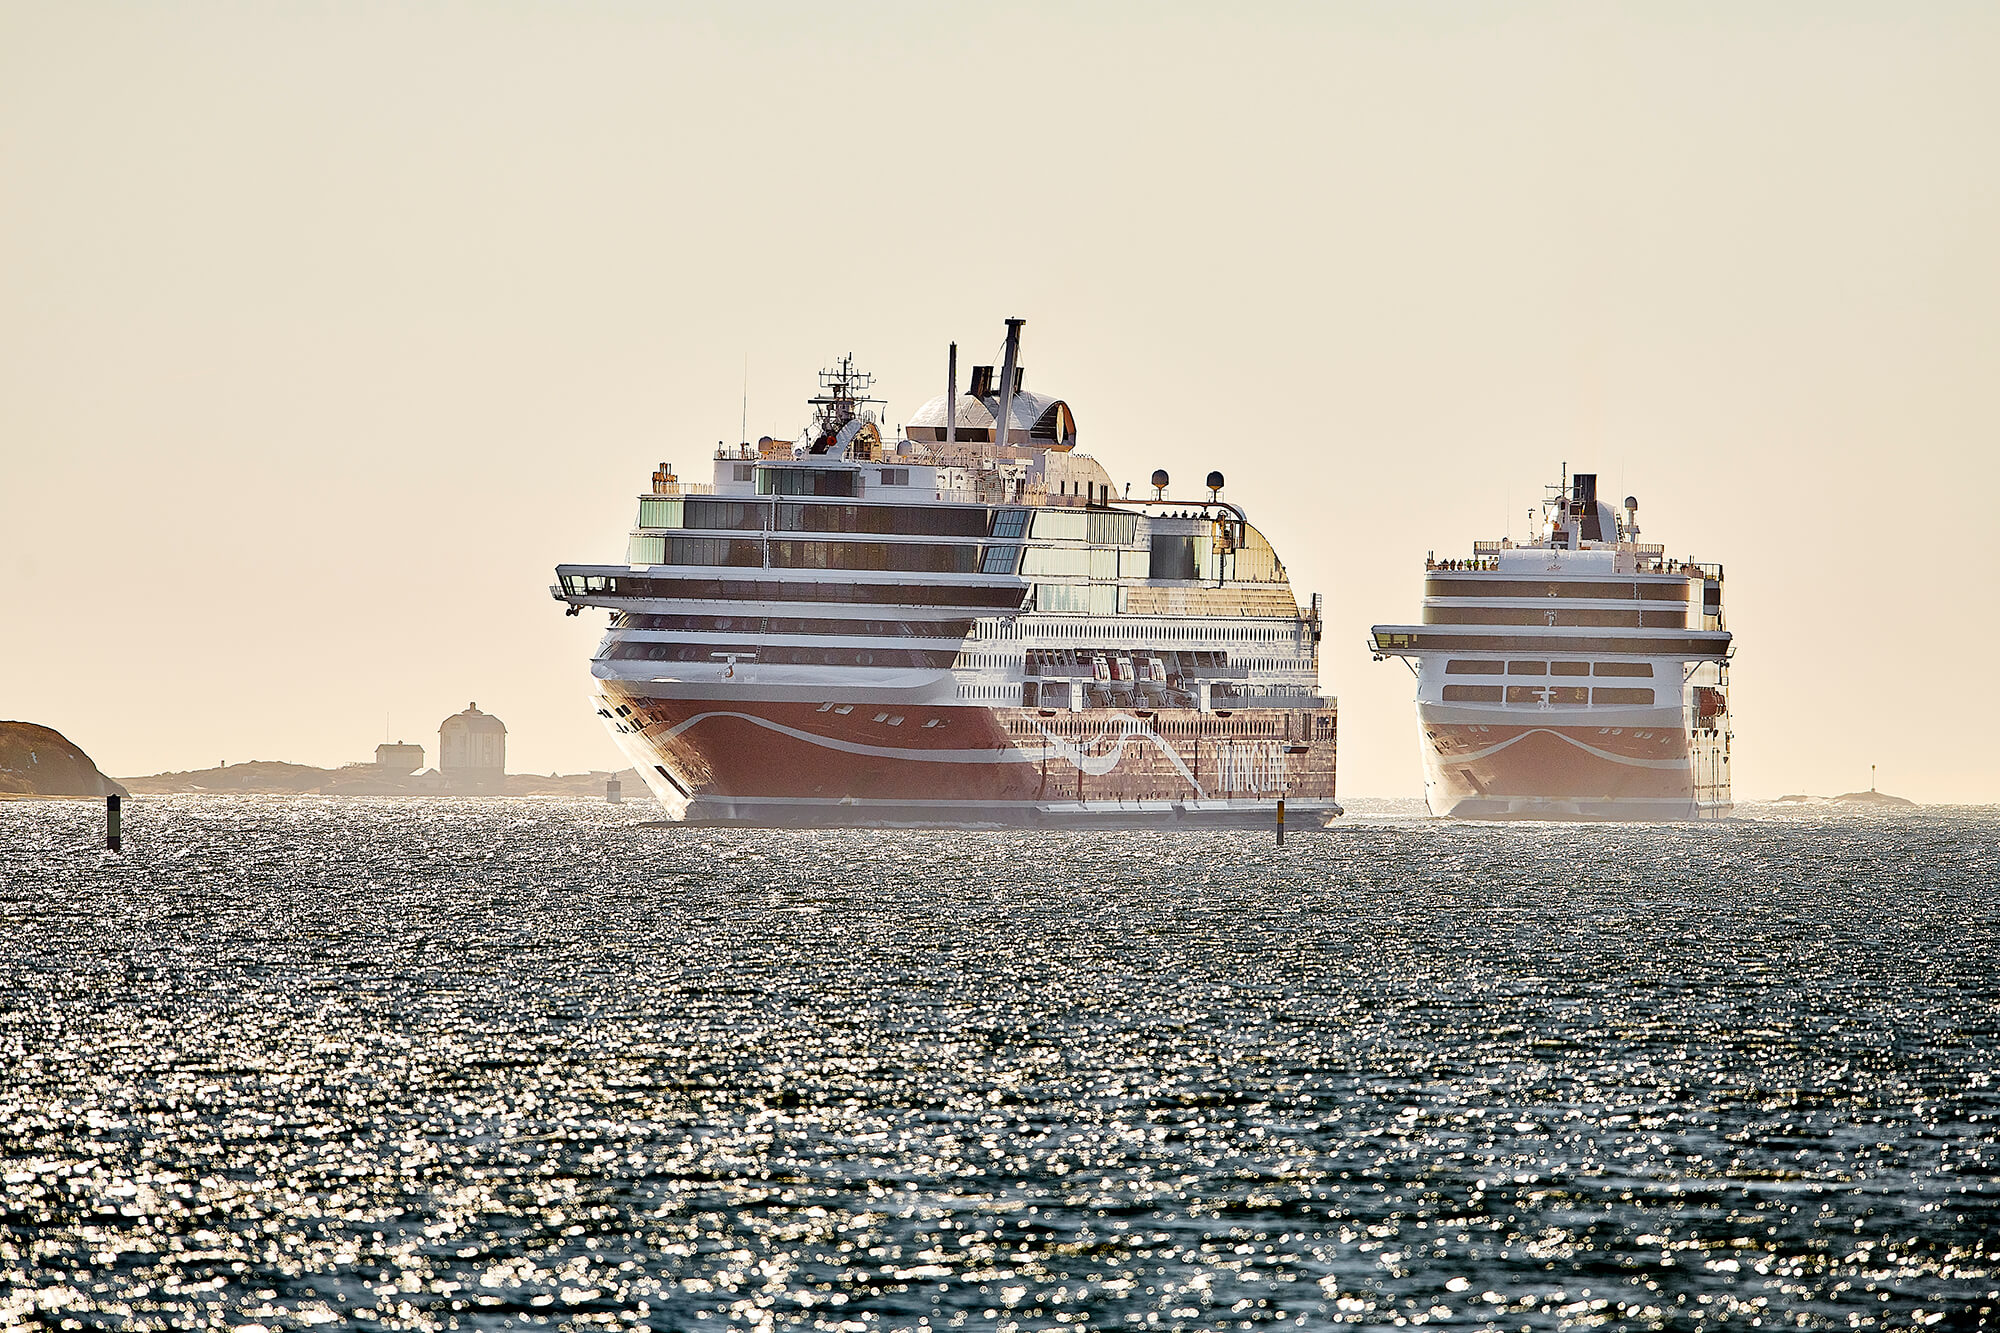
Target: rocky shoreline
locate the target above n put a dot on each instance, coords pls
(40, 761)
(268, 777)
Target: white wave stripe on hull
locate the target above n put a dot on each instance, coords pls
(1256, 771)
(783, 811)
(1627, 760)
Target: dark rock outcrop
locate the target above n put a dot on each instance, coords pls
(1881, 798)
(40, 761)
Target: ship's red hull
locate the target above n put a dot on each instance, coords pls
(832, 763)
(1553, 771)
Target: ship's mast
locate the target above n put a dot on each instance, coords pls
(843, 390)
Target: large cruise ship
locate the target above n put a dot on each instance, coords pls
(1579, 675)
(971, 624)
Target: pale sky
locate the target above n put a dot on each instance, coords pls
(327, 331)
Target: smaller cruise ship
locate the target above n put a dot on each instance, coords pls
(1582, 674)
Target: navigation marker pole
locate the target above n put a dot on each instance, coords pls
(1281, 821)
(114, 820)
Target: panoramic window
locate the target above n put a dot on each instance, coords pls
(1527, 668)
(1062, 524)
(1461, 667)
(1612, 694)
(738, 514)
(1472, 694)
(807, 481)
(911, 557)
(1624, 668)
(655, 512)
(712, 551)
(896, 520)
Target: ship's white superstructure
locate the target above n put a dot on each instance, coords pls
(969, 624)
(1582, 674)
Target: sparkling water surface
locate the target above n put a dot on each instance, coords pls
(525, 1064)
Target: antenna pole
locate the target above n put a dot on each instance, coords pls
(744, 431)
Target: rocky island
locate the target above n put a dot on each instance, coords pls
(40, 761)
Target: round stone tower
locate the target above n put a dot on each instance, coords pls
(472, 751)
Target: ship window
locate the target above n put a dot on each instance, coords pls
(807, 481)
(1472, 694)
(1461, 667)
(895, 476)
(1624, 668)
(657, 513)
(1062, 525)
(1571, 696)
(1621, 590)
(1612, 694)
(1173, 556)
(1000, 559)
(1553, 614)
(910, 557)
(772, 590)
(1056, 560)
(1011, 523)
(711, 551)
(899, 520)
(738, 514)
(1527, 668)
(1113, 529)
(1569, 668)
(907, 629)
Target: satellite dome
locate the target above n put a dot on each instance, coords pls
(1214, 482)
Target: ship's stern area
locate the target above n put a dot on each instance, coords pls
(1505, 763)
(883, 763)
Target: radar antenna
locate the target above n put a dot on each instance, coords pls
(842, 392)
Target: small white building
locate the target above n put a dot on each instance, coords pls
(401, 759)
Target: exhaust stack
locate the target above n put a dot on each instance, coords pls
(1000, 423)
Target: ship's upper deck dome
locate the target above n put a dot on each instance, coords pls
(1035, 418)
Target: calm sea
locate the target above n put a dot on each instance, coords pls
(519, 1064)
